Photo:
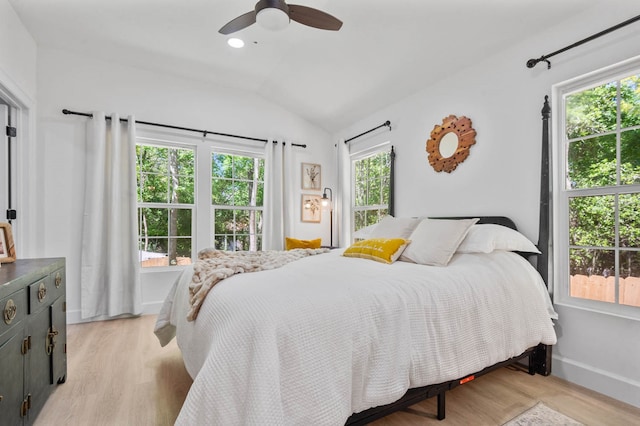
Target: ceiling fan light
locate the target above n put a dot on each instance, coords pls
(272, 18)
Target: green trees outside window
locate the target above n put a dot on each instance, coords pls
(371, 189)
(602, 148)
(237, 196)
(168, 181)
(166, 191)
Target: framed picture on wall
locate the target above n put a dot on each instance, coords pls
(7, 249)
(311, 208)
(311, 176)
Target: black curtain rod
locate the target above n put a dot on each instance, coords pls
(386, 123)
(188, 129)
(545, 58)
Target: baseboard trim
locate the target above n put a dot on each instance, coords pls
(604, 382)
(75, 316)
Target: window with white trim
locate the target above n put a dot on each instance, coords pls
(598, 193)
(194, 194)
(371, 188)
(166, 199)
(238, 198)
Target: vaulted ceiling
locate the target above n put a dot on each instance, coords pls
(385, 50)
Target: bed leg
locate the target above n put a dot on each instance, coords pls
(441, 405)
(540, 360)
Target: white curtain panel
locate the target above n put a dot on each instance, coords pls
(278, 195)
(110, 267)
(344, 183)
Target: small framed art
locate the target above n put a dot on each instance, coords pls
(311, 176)
(7, 249)
(311, 208)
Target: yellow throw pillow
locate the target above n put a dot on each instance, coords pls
(386, 250)
(292, 243)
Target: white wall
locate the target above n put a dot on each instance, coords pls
(17, 53)
(85, 84)
(501, 176)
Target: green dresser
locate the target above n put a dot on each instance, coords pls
(33, 336)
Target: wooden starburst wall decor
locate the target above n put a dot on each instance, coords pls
(450, 143)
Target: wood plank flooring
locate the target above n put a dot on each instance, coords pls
(119, 375)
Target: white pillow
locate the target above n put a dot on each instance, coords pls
(394, 227)
(434, 241)
(487, 237)
(364, 233)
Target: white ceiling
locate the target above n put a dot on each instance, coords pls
(385, 50)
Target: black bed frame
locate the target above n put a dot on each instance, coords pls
(539, 357)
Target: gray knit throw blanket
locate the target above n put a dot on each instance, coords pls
(214, 265)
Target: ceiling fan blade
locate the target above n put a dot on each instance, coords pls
(239, 23)
(314, 18)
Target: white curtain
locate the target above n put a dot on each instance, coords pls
(278, 200)
(344, 183)
(110, 270)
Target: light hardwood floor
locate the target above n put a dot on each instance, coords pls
(119, 375)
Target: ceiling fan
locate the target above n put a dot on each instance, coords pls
(276, 14)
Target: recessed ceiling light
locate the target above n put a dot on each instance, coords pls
(235, 42)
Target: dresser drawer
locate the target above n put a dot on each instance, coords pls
(46, 290)
(13, 309)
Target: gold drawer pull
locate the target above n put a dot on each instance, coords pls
(58, 280)
(42, 292)
(10, 311)
(50, 344)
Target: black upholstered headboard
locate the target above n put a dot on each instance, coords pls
(498, 220)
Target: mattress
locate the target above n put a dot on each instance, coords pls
(326, 336)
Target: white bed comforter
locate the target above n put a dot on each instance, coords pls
(326, 336)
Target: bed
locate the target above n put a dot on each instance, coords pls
(330, 339)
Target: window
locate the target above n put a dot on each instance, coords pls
(598, 194)
(166, 179)
(371, 188)
(237, 195)
(194, 194)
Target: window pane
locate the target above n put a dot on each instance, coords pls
(592, 274)
(180, 223)
(165, 175)
(221, 165)
(153, 252)
(375, 190)
(243, 194)
(361, 193)
(153, 222)
(630, 101)
(153, 188)
(386, 189)
(373, 216)
(152, 159)
(223, 219)
(183, 190)
(358, 220)
(592, 111)
(629, 206)
(630, 157)
(222, 192)
(260, 195)
(592, 162)
(630, 278)
(592, 221)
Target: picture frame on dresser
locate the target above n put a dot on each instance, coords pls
(7, 247)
